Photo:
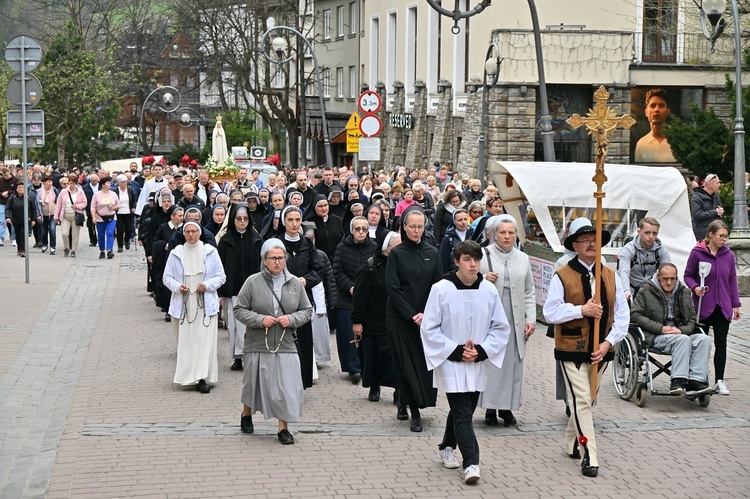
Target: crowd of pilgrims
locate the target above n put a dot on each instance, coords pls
(364, 251)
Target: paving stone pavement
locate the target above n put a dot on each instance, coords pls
(89, 410)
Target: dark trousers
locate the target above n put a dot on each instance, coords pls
(91, 226)
(124, 229)
(459, 428)
(721, 329)
(20, 237)
(348, 353)
(37, 231)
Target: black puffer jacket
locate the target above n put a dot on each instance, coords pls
(370, 296)
(14, 209)
(350, 256)
(329, 281)
(703, 208)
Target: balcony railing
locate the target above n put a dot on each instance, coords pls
(691, 49)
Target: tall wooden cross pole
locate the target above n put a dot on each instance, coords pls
(600, 122)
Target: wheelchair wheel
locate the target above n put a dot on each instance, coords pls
(641, 395)
(704, 400)
(625, 372)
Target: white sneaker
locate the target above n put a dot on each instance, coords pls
(721, 387)
(14, 243)
(471, 474)
(449, 458)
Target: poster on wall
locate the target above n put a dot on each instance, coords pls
(652, 108)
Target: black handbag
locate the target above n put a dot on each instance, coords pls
(80, 218)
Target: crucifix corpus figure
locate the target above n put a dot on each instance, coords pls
(586, 299)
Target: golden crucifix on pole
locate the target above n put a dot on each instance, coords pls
(599, 122)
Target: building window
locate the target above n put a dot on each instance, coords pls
(327, 24)
(374, 50)
(340, 83)
(308, 148)
(326, 82)
(352, 82)
(340, 20)
(353, 18)
(660, 30)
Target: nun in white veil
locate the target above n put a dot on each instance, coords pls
(194, 274)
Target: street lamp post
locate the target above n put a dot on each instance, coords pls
(713, 10)
(545, 119)
(491, 69)
(280, 45)
(186, 120)
(168, 98)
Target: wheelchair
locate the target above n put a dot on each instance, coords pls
(633, 356)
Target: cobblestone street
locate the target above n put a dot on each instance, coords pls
(89, 410)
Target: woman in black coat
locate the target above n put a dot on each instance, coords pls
(452, 200)
(351, 254)
(239, 250)
(368, 318)
(303, 261)
(159, 254)
(413, 267)
(14, 216)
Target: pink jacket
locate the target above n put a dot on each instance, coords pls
(62, 198)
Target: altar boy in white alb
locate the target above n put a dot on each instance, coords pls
(464, 325)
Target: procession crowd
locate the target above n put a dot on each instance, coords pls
(421, 275)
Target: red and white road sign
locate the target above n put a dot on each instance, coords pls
(369, 102)
(370, 125)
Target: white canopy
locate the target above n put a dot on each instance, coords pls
(660, 191)
(122, 165)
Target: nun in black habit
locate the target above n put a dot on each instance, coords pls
(368, 319)
(303, 261)
(239, 250)
(413, 267)
(328, 228)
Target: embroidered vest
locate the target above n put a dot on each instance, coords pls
(574, 339)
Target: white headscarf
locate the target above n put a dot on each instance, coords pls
(193, 254)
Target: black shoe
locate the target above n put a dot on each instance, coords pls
(246, 424)
(127, 246)
(355, 378)
(374, 395)
(203, 387)
(285, 438)
(119, 249)
(167, 318)
(92, 244)
(576, 454)
(237, 366)
(101, 255)
(416, 425)
(401, 413)
(697, 388)
(677, 386)
(110, 255)
(590, 471)
(396, 395)
(38, 245)
(490, 417)
(508, 418)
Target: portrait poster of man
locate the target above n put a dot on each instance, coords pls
(652, 108)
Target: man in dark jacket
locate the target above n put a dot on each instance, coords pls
(90, 189)
(351, 254)
(664, 310)
(705, 205)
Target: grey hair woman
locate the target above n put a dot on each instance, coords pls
(509, 270)
(272, 304)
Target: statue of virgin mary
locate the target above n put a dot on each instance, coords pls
(219, 143)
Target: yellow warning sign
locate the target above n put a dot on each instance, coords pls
(353, 134)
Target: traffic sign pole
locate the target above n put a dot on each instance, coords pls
(25, 162)
(24, 54)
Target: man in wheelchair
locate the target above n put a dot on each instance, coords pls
(663, 309)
